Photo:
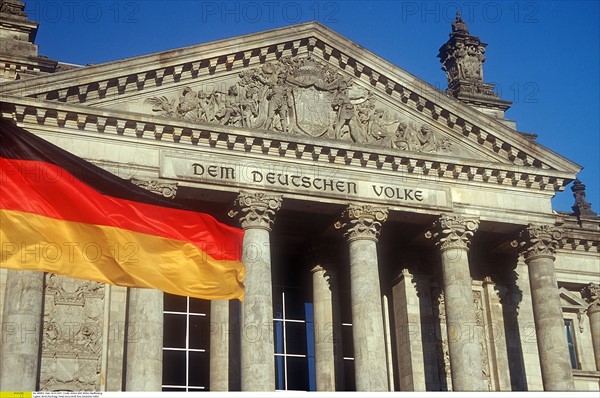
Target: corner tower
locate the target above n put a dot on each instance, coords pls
(18, 55)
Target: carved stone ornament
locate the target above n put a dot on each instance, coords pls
(480, 325)
(591, 294)
(453, 232)
(74, 293)
(442, 349)
(256, 209)
(157, 187)
(13, 7)
(540, 241)
(362, 222)
(72, 334)
(329, 273)
(301, 96)
(582, 208)
(462, 58)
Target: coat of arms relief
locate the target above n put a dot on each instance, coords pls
(302, 96)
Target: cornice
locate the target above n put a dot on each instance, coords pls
(30, 112)
(183, 65)
(572, 242)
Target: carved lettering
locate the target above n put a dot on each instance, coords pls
(214, 171)
(388, 192)
(300, 179)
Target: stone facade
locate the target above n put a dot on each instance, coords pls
(414, 229)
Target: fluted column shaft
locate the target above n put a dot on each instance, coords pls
(144, 340)
(21, 331)
(452, 235)
(592, 295)
(256, 213)
(539, 242)
(361, 225)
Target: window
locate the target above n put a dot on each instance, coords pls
(569, 331)
(294, 341)
(185, 344)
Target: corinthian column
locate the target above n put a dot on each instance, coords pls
(21, 331)
(361, 225)
(256, 214)
(591, 293)
(452, 234)
(539, 242)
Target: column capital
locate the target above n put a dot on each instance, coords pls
(591, 294)
(256, 209)
(540, 240)
(362, 222)
(453, 232)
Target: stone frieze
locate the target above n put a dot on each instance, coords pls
(301, 96)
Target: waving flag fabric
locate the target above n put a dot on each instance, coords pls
(61, 214)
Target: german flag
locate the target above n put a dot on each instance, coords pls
(61, 214)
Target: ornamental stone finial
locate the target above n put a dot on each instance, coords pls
(591, 294)
(540, 241)
(362, 222)
(256, 209)
(462, 58)
(581, 208)
(459, 25)
(453, 232)
(14, 8)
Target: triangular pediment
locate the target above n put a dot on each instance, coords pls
(570, 300)
(305, 81)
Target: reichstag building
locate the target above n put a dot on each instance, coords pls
(397, 237)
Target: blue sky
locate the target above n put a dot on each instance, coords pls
(543, 56)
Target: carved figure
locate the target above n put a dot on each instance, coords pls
(427, 139)
(301, 95)
(345, 115)
(405, 137)
(378, 129)
(188, 102)
(227, 108)
(278, 104)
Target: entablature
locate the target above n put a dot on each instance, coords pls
(276, 146)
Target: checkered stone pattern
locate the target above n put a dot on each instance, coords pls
(282, 146)
(190, 70)
(582, 244)
(173, 74)
(426, 106)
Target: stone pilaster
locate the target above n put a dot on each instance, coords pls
(409, 343)
(144, 340)
(452, 234)
(539, 243)
(328, 333)
(21, 331)
(219, 345)
(361, 225)
(256, 214)
(500, 369)
(591, 293)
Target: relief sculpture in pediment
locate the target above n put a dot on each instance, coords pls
(301, 96)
